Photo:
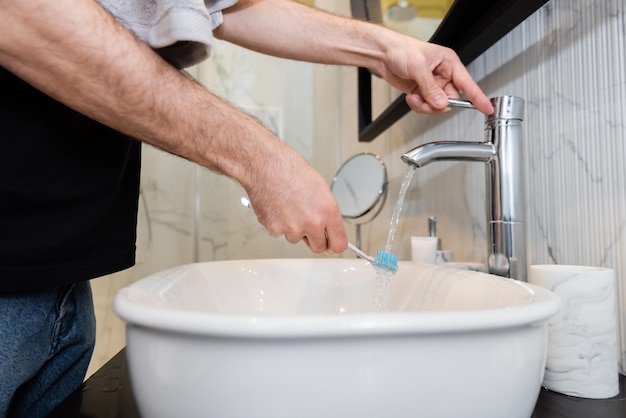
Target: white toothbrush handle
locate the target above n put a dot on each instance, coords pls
(360, 253)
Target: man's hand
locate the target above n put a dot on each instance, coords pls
(429, 74)
(291, 198)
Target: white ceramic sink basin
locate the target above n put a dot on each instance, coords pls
(301, 338)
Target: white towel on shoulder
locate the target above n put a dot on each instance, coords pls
(181, 31)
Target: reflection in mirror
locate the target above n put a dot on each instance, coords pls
(417, 18)
(360, 187)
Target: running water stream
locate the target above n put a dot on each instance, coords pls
(383, 277)
(395, 217)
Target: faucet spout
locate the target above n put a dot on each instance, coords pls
(449, 151)
(502, 152)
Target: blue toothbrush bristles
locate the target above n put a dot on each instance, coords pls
(386, 261)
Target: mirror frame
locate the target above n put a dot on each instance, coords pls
(470, 27)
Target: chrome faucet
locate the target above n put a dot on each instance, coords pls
(503, 152)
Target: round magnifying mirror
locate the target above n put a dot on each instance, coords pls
(360, 187)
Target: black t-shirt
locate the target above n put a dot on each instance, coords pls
(69, 191)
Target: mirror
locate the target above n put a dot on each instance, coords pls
(360, 187)
(417, 18)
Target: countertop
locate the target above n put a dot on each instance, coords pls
(108, 394)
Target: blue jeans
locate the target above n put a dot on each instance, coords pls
(46, 342)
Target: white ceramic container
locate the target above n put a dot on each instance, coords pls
(582, 356)
(301, 338)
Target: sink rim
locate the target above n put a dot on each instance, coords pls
(540, 308)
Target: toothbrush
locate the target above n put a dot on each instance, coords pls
(383, 260)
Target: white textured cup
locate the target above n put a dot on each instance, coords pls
(424, 250)
(582, 344)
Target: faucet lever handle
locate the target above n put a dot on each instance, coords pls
(465, 104)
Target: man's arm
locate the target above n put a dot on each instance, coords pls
(427, 73)
(76, 52)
